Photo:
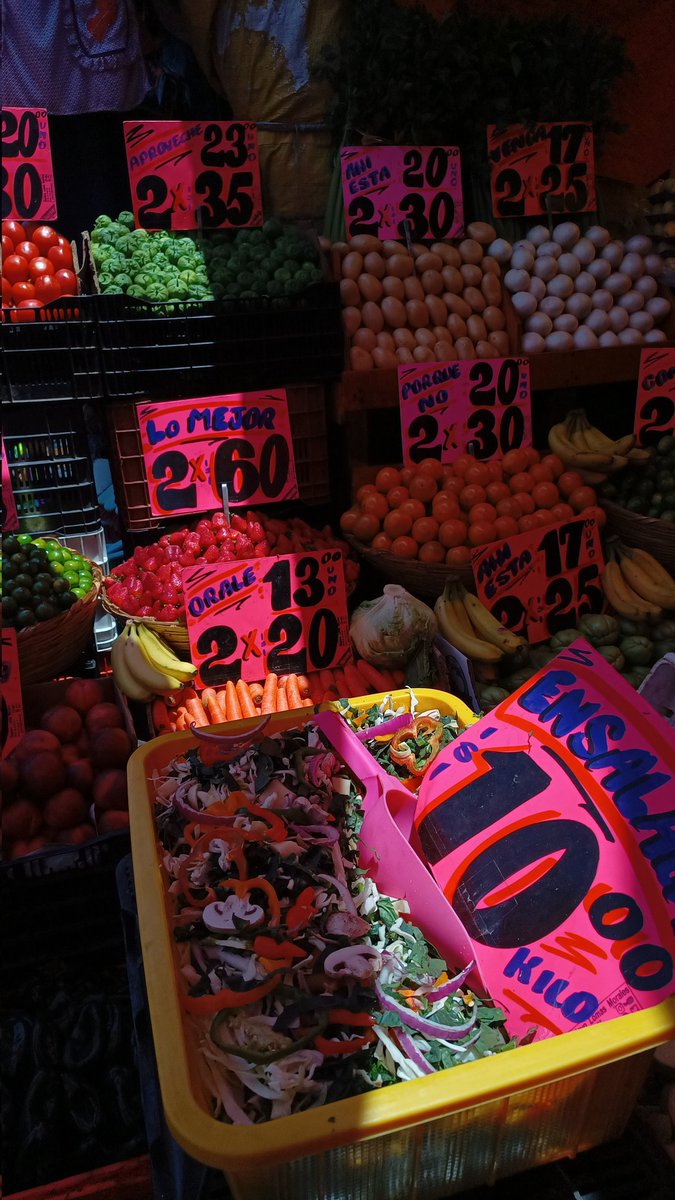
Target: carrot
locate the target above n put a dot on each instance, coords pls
(160, 716)
(269, 696)
(327, 679)
(182, 719)
(376, 679)
(282, 702)
(208, 697)
(293, 692)
(248, 708)
(315, 689)
(256, 691)
(329, 696)
(232, 702)
(308, 702)
(196, 712)
(303, 684)
(358, 686)
(341, 683)
(218, 708)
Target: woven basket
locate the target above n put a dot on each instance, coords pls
(647, 533)
(175, 633)
(420, 579)
(50, 648)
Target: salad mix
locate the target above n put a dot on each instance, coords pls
(403, 748)
(304, 984)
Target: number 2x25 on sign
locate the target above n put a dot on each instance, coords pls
(185, 174)
(192, 447)
(655, 407)
(482, 406)
(286, 614)
(383, 186)
(27, 171)
(546, 169)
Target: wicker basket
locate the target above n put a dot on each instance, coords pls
(420, 579)
(647, 533)
(50, 648)
(175, 633)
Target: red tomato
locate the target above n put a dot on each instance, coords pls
(25, 310)
(6, 292)
(556, 464)
(528, 522)
(541, 473)
(477, 473)
(462, 464)
(28, 250)
(522, 481)
(39, 266)
(495, 471)
(23, 290)
(568, 482)
(545, 495)
(511, 507)
(44, 237)
(506, 526)
(562, 512)
(480, 534)
(13, 230)
(63, 241)
(61, 256)
(582, 497)
(47, 288)
(497, 491)
(458, 556)
(542, 516)
(482, 514)
(15, 268)
(472, 494)
(515, 462)
(524, 502)
(598, 513)
(7, 245)
(532, 456)
(452, 533)
(67, 281)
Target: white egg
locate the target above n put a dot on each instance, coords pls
(632, 301)
(602, 299)
(579, 305)
(524, 303)
(533, 343)
(618, 319)
(522, 260)
(659, 307)
(653, 265)
(618, 283)
(600, 269)
(553, 306)
(639, 244)
(655, 337)
(608, 338)
(567, 323)
(538, 234)
(643, 321)
(537, 288)
(647, 286)
(524, 244)
(568, 264)
(585, 339)
(500, 249)
(598, 321)
(561, 286)
(517, 280)
(546, 268)
(585, 282)
(633, 266)
(539, 323)
(585, 251)
(566, 234)
(559, 341)
(549, 250)
(613, 253)
(598, 235)
(631, 337)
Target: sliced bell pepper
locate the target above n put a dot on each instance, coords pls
(402, 749)
(269, 948)
(228, 998)
(301, 912)
(344, 1016)
(330, 1047)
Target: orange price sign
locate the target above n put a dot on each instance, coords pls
(655, 406)
(548, 168)
(27, 171)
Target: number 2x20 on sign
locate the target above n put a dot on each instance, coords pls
(286, 614)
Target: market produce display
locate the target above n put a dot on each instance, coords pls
(406, 740)
(469, 626)
(143, 665)
(40, 578)
(276, 261)
(636, 585)
(37, 266)
(649, 490)
(341, 993)
(585, 448)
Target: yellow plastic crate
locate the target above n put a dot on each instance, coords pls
(429, 1138)
(428, 699)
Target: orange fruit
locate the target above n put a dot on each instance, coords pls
(481, 533)
(582, 497)
(387, 478)
(458, 556)
(568, 482)
(397, 523)
(404, 547)
(375, 503)
(423, 487)
(381, 542)
(424, 530)
(545, 495)
(432, 552)
(452, 533)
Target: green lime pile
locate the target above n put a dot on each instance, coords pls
(40, 579)
(650, 489)
(275, 261)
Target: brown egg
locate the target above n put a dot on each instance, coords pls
(360, 360)
(438, 310)
(393, 287)
(352, 265)
(365, 339)
(429, 262)
(413, 288)
(385, 359)
(351, 319)
(471, 274)
(405, 338)
(457, 326)
(349, 292)
(494, 318)
(481, 232)
(500, 341)
(390, 248)
(341, 247)
(432, 282)
(455, 304)
(424, 337)
(470, 250)
(400, 265)
(369, 287)
(394, 312)
(404, 355)
(374, 264)
(445, 352)
(491, 266)
(465, 348)
(417, 249)
(371, 314)
(453, 280)
(365, 244)
(474, 298)
(491, 289)
(421, 354)
(440, 332)
(476, 329)
(485, 350)
(385, 341)
(418, 314)
(449, 254)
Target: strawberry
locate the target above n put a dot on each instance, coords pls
(261, 549)
(187, 560)
(243, 546)
(212, 553)
(238, 523)
(256, 531)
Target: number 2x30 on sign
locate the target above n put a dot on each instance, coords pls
(27, 172)
(385, 186)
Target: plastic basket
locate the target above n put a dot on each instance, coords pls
(421, 579)
(307, 412)
(53, 357)
(427, 699)
(429, 1138)
(51, 470)
(647, 533)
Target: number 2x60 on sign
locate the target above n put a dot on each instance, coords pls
(286, 614)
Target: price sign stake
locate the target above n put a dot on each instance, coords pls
(383, 186)
(546, 169)
(27, 172)
(191, 448)
(448, 408)
(286, 614)
(12, 705)
(540, 582)
(189, 175)
(655, 405)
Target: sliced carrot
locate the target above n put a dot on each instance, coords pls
(269, 696)
(358, 686)
(377, 679)
(248, 708)
(232, 704)
(293, 696)
(327, 679)
(256, 690)
(282, 702)
(316, 689)
(303, 684)
(341, 683)
(196, 712)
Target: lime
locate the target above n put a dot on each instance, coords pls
(56, 567)
(71, 576)
(55, 553)
(24, 539)
(79, 592)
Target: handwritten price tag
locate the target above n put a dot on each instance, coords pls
(286, 614)
(27, 172)
(655, 407)
(192, 447)
(541, 582)
(12, 706)
(10, 520)
(549, 827)
(448, 408)
(547, 169)
(184, 175)
(383, 186)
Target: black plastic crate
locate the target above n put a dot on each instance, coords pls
(53, 356)
(50, 469)
(198, 348)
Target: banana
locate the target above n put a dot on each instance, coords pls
(651, 589)
(472, 647)
(651, 565)
(486, 626)
(561, 444)
(637, 454)
(145, 674)
(578, 432)
(621, 596)
(126, 682)
(460, 614)
(162, 657)
(624, 444)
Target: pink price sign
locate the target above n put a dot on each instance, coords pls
(27, 172)
(12, 705)
(655, 406)
(385, 186)
(192, 447)
(549, 827)
(189, 175)
(548, 168)
(449, 408)
(286, 614)
(10, 520)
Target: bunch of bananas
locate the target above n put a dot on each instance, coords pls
(471, 628)
(144, 666)
(636, 585)
(586, 449)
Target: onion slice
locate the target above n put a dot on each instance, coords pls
(316, 835)
(200, 816)
(442, 1033)
(446, 989)
(408, 1047)
(229, 741)
(387, 727)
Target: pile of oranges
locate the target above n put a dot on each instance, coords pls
(440, 514)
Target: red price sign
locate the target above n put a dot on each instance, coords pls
(449, 408)
(549, 827)
(383, 186)
(10, 520)
(655, 407)
(12, 706)
(541, 582)
(546, 169)
(184, 174)
(286, 614)
(27, 172)
(192, 447)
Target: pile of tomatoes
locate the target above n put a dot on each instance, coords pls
(37, 265)
(440, 514)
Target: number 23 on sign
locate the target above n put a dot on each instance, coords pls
(286, 614)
